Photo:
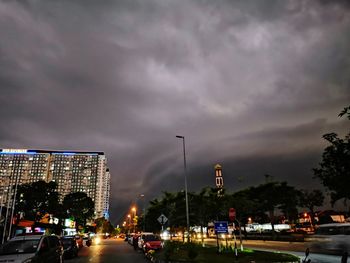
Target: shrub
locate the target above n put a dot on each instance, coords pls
(192, 251)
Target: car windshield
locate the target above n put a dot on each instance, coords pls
(152, 238)
(19, 247)
(328, 230)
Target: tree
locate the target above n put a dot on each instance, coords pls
(37, 199)
(334, 169)
(79, 206)
(207, 206)
(311, 199)
(104, 226)
(245, 204)
(275, 195)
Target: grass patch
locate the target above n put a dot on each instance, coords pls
(179, 252)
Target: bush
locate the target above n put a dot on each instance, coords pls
(169, 249)
(192, 251)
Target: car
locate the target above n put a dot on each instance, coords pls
(332, 238)
(87, 241)
(79, 240)
(149, 241)
(130, 238)
(32, 248)
(70, 246)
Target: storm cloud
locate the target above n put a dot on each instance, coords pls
(252, 85)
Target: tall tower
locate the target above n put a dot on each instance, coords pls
(219, 180)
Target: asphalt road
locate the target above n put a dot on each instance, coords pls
(118, 251)
(109, 251)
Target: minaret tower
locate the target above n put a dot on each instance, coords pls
(219, 180)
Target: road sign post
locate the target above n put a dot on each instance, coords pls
(162, 219)
(221, 227)
(232, 214)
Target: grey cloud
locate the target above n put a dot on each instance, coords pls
(124, 77)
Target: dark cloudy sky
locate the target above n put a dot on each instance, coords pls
(252, 85)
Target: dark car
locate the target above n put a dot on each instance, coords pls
(87, 241)
(32, 248)
(70, 246)
(79, 240)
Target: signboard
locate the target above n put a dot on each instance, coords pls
(232, 214)
(162, 219)
(221, 227)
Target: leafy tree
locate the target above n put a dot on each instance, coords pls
(155, 209)
(104, 226)
(79, 206)
(310, 200)
(334, 169)
(273, 196)
(245, 204)
(37, 199)
(206, 207)
(218, 204)
(289, 201)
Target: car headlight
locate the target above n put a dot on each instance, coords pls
(97, 240)
(28, 260)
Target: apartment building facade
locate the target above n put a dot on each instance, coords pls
(73, 171)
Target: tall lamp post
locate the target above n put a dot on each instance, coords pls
(133, 209)
(129, 223)
(185, 172)
(144, 212)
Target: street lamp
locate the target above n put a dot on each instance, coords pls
(133, 209)
(144, 212)
(129, 222)
(185, 172)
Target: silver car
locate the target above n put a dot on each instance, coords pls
(333, 238)
(32, 248)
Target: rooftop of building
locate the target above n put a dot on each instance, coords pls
(63, 152)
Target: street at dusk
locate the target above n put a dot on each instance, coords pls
(116, 250)
(148, 130)
(109, 251)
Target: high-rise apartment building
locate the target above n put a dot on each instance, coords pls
(72, 171)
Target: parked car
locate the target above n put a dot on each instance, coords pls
(87, 241)
(149, 241)
(70, 246)
(333, 238)
(79, 240)
(130, 237)
(32, 248)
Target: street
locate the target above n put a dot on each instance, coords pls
(109, 251)
(116, 250)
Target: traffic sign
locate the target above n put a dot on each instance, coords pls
(232, 214)
(162, 219)
(221, 227)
